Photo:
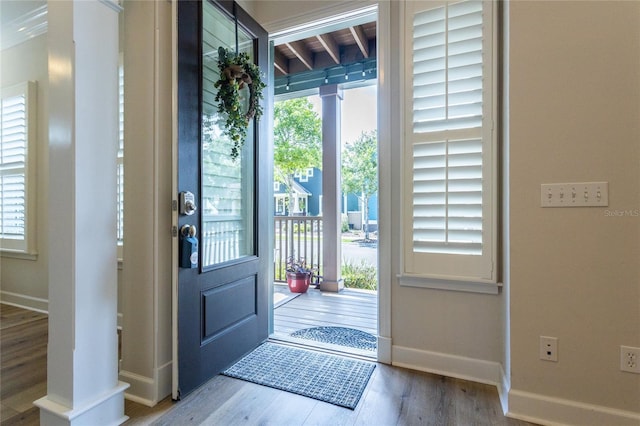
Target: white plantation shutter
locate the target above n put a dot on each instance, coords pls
(450, 147)
(17, 118)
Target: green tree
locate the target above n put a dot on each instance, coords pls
(360, 171)
(297, 140)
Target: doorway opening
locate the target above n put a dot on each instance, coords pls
(325, 186)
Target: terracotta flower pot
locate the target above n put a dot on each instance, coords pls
(298, 281)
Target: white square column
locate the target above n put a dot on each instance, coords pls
(82, 363)
(331, 189)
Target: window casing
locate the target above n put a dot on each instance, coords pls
(18, 125)
(120, 161)
(450, 148)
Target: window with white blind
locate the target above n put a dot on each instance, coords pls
(17, 168)
(450, 146)
(120, 171)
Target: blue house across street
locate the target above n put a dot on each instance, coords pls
(307, 192)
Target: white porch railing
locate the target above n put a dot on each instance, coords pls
(299, 237)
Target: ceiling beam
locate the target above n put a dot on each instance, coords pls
(281, 62)
(299, 49)
(361, 39)
(330, 46)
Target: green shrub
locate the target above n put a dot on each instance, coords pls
(302, 227)
(345, 222)
(362, 275)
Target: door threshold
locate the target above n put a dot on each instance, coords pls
(323, 347)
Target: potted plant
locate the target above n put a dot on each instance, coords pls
(299, 275)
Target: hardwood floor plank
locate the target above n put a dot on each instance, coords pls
(6, 412)
(140, 415)
(244, 407)
(11, 316)
(30, 417)
(386, 391)
(328, 414)
(287, 410)
(23, 400)
(195, 408)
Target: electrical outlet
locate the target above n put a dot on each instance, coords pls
(630, 359)
(549, 348)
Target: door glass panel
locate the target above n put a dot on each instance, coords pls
(227, 185)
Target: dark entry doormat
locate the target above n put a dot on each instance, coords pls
(342, 336)
(326, 377)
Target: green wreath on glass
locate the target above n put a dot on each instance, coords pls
(236, 71)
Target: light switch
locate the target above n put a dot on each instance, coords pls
(578, 194)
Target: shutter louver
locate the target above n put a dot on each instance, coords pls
(13, 148)
(448, 99)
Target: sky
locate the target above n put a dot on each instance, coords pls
(359, 111)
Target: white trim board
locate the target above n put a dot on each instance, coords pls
(31, 303)
(147, 390)
(476, 370)
(547, 410)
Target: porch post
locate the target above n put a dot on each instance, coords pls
(82, 359)
(331, 189)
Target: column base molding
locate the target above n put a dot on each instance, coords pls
(108, 410)
(333, 286)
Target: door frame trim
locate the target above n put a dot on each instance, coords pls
(283, 30)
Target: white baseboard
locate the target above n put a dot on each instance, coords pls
(551, 411)
(147, 390)
(503, 390)
(36, 304)
(25, 302)
(472, 369)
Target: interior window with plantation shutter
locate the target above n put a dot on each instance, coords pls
(450, 178)
(16, 182)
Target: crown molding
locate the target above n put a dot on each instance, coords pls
(25, 27)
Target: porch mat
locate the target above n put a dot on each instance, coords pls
(330, 378)
(342, 336)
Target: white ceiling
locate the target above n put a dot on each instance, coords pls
(21, 20)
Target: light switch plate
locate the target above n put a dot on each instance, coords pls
(577, 194)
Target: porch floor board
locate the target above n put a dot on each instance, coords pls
(352, 308)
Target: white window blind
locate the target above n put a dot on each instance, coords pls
(449, 227)
(17, 183)
(120, 161)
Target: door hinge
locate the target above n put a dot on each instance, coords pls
(174, 205)
(174, 231)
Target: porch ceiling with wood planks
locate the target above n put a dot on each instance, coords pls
(339, 56)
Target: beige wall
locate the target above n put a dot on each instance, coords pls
(575, 273)
(21, 277)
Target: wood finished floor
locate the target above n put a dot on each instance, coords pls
(394, 396)
(23, 364)
(351, 308)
